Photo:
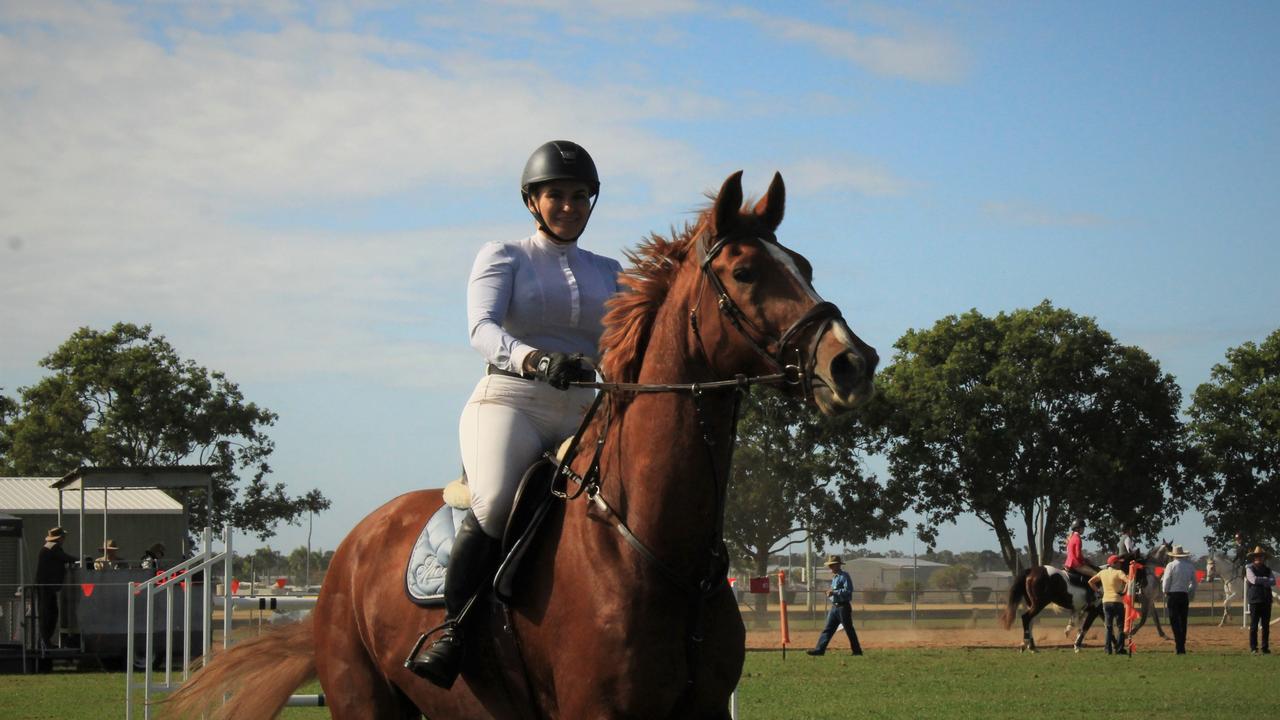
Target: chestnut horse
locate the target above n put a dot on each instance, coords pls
(625, 611)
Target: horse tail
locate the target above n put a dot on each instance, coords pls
(1017, 593)
(259, 674)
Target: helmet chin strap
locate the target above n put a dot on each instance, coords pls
(545, 230)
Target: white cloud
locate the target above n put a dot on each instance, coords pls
(905, 50)
(1031, 214)
(129, 166)
(818, 175)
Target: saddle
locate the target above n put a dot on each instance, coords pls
(425, 571)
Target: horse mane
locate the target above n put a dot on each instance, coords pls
(629, 315)
(655, 263)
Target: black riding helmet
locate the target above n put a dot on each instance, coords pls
(559, 160)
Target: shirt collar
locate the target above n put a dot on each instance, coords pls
(554, 247)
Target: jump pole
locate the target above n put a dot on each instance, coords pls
(782, 609)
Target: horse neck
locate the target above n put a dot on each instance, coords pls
(669, 480)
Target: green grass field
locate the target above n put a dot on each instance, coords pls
(899, 683)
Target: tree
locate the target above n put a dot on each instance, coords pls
(1235, 424)
(8, 410)
(953, 577)
(796, 475)
(123, 398)
(1028, 419)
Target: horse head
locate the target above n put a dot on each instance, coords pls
(772, 318)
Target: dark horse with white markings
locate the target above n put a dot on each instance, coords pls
(624, 610)
(1045, 584)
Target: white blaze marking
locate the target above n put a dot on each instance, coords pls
(786, 261)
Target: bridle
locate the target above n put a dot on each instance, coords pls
(775, 351)
(822, 314)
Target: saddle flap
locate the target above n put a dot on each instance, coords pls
(533, 500)
(424, 574)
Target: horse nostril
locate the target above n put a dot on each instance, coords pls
(846, 368)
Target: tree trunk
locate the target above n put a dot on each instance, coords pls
(760, 616)
(1029, 520)
(1047, 549)
(1008, 551)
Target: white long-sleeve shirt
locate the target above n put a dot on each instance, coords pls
(537, 294)
(1179, 576)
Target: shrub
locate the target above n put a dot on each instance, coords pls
(904, 589)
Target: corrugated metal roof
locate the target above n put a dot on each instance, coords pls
(28, 495)
(896, 562)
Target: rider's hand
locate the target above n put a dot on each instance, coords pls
(559, 369)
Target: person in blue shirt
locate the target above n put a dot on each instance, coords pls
(841, 612)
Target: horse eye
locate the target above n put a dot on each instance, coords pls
(744, 275)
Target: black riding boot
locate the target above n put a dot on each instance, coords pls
(472, 562)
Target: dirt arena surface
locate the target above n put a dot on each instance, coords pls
(1199, 637)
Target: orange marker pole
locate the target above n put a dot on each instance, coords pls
(782, 605)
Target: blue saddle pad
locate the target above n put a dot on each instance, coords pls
(424, 576)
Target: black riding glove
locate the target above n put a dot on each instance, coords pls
(559, 369)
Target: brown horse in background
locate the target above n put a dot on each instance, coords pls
(606, 625)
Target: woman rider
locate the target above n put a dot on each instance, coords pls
(534, 309)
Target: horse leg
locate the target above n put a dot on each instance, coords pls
(1090, 615)
(354, 688)
(1028, 642)
(1155, 615)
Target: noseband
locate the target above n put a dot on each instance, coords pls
(822, 315)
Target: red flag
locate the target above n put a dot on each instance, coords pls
(235, 586)
(280, 582)
(1199, 576)
(86, 588)
(760, 585)
(1159, 571)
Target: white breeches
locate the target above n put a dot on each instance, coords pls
(506, 424)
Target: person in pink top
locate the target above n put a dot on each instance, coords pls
(1076, 561)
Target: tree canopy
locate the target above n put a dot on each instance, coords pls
(124, 398)
(1028, 419)
(1235, 423)
(796, 472)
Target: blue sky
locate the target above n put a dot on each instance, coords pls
(292, 193)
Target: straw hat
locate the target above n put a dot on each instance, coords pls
(1178, 552)
(111, 545)
(833, 560)
(55, 533)
(1257, 550)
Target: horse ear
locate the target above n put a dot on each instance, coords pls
(728, 205)
(770, 207)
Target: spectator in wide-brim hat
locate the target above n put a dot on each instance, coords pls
(841, 612)
(110, 559)
(1179, 585)
(1259, 580)
(51, 572)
